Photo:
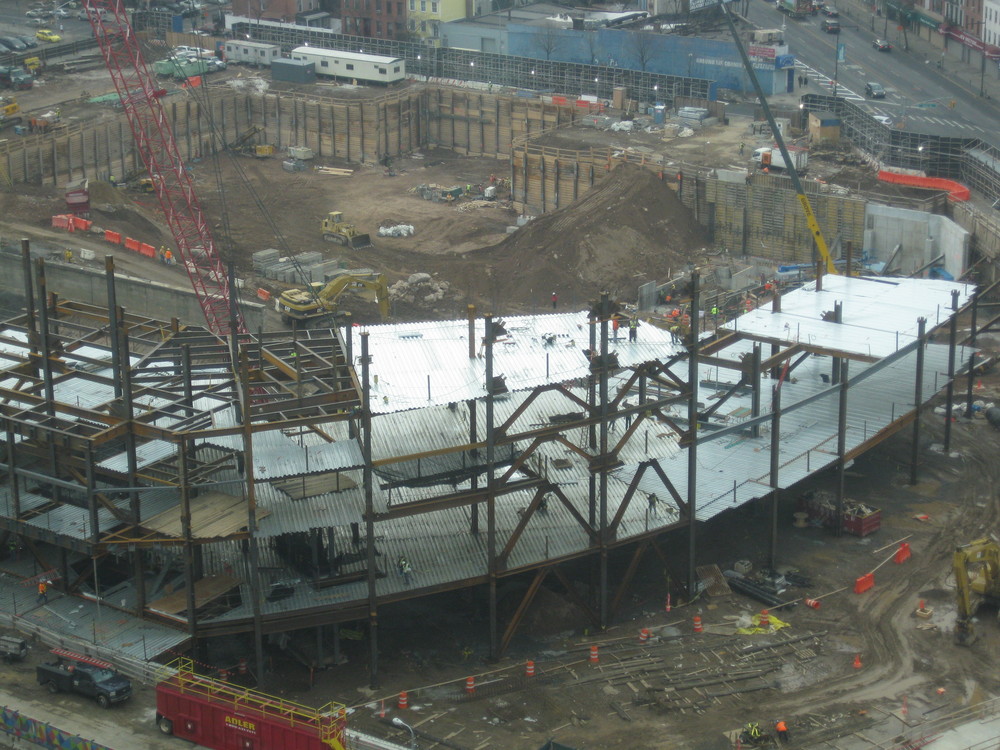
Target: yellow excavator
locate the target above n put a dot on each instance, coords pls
(335, 229)
(977, 578)
(319, 300)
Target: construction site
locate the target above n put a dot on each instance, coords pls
(496, 417)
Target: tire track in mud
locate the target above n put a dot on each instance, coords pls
(892, 652)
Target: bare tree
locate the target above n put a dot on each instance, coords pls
(549, 41)
(593, 47)
(642, 45)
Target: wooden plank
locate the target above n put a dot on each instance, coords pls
(205, 591)
(714, 581)
(213, 515)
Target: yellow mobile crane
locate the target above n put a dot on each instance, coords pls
(811, 222)
(319, 300)
(977, 579)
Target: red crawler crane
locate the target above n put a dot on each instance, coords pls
(140, 97)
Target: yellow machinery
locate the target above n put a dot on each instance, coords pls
(977, 578)
(319, 300)
(244, 144)
(9, 109)
(335, 229)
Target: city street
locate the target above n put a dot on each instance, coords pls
(919, 93)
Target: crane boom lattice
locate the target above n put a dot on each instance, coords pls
(140, 97)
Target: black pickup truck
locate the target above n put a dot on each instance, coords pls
(80, 674)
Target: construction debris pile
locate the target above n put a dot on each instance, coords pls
(420, 287)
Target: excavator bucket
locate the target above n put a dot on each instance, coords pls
(360, 241)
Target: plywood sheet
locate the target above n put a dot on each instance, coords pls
(213, 515)
(206, 590)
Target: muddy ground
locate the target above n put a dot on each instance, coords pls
(679, 689)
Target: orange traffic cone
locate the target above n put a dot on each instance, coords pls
(697, 624)
(470, 685)
(594, 658)
(404, 700)
(857, 661)
(529, 669)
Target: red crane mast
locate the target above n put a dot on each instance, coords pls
(140, 97)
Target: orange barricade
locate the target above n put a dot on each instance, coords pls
(80, 223)
(956, 190)
(865, 582)
(147, 250)
(903, 553)
(264, 294)
(114, 237)
(61, 222)
(131, 244)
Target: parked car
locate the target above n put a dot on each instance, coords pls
(884, 119)
(45, 35)
(60, 13)
(28, 41)
(38, 13)
(882, 45)
(874, 90)
(38, 22)
(4, 49)
(12, 42)
(830, 26)
(830, 11)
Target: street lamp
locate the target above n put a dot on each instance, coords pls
(400, 723)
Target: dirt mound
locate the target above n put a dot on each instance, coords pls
(629, 229)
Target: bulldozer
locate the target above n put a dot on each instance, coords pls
(977, 579)
(335, 229)
(318, 301)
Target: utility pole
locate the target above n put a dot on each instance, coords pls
(836, 66)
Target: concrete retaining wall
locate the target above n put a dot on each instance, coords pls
(137, 296)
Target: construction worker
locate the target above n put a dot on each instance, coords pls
(742, 147)
(614, 326)
(753, 732)
(555, 300)
(782, 730)
(404, 569)
(69, 256)
(633, 328)
(43, 592)
(168, 257)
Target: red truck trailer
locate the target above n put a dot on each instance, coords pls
(227, 717)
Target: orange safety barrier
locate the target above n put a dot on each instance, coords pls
(529, 669)
(470, 685)
(903, 553)
(560, 100)
(865, 582)
(114, 237)
(63, 221)
(956, 190)
(80, 223)
(264, 294)
(594, 658)
(147, 250)
(131, 244)
(404, 700)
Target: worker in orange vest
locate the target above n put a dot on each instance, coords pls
(781, 728)
(43, 592)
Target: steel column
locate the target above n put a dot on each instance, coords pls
(692, 447)
(918, 388)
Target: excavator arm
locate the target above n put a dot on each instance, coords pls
(973, 587)
(305, 304)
